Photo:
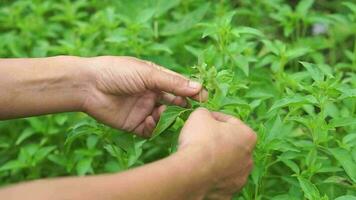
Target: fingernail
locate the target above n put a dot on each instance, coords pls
(194, 85)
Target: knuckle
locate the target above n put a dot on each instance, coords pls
(250, 135)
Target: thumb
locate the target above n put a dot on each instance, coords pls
(169, 81)
(201, 114)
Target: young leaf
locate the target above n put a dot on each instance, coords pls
(167, 118)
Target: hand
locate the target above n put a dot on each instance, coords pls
(127, 92)
(228, 145)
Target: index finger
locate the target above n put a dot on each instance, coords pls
(202, 96)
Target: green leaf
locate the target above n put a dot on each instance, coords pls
(341, 122)
(293, 100)
(345, 159)
(304, 6)
(84, 166)
(346, 197)
(285, 197)
(311, 192)
(297, 52)
(161, 48)
(24, 135)
(316, 74)
(167, 118)
(116, 37)
(347, 93)
(13, 164)
(42, 153)
(78, 131)
(247, 30)
(243, 63)
(351, 6)
(61, 119)
(292, 165)
(350, 139)
(162, 6)
(187, 22)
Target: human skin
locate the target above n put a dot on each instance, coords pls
(214, 155)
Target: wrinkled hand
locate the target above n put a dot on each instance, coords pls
(127, 92)
(227, 144)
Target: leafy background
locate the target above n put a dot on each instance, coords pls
(287, 68)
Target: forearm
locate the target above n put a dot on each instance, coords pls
(177, 177)
(41, 85)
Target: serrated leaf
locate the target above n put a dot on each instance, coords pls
(167, 118)
(345, 159)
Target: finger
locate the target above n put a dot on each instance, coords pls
(174, 83)
(174, 100)
(222, 117)
(250, 135)
(157, 112)
(202, 96)
(139, 130)
(150, 124)
(201, 114)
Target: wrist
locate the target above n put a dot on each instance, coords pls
(197, 164)
(79, 78)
